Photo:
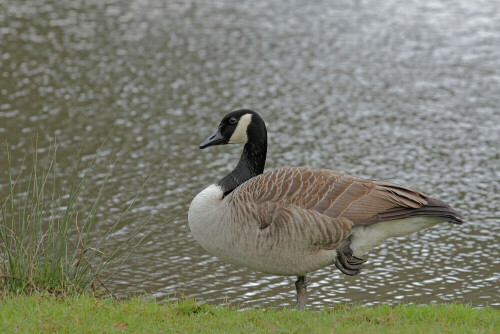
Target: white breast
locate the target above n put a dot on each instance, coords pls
(202, 212)
(218, 227)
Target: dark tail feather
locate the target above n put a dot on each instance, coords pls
(435, 208)
(451, 215)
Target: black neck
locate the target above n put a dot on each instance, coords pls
(251, 164)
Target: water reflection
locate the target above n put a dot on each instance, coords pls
(406, 91)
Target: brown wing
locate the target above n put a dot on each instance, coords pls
(326, 204)
(330, 193)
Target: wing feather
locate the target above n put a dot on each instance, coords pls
(323, 205)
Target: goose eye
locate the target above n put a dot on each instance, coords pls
(232, 120)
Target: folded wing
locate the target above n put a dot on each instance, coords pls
(326, 204)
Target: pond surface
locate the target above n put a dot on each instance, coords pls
(407, 91)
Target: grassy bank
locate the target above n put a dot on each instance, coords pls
(83, 313)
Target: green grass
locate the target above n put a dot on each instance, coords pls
(84, 313)
(50, 238)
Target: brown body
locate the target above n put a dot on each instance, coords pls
(290, 221)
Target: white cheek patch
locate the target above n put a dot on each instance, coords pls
(240, 134)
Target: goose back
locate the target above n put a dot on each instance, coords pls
(332, 194)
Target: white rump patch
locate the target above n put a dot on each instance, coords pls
(365, 238)
(240, 134)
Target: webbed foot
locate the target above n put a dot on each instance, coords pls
(346, 262)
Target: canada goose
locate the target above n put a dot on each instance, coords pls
(293, 221)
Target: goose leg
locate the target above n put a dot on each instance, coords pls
(301, 286)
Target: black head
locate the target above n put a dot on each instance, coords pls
(237, 127)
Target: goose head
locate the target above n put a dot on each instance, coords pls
(238, 127)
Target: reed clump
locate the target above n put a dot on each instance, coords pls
(49, 239)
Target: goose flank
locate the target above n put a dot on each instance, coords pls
(295, 220)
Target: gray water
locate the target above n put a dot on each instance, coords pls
(407, 91)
